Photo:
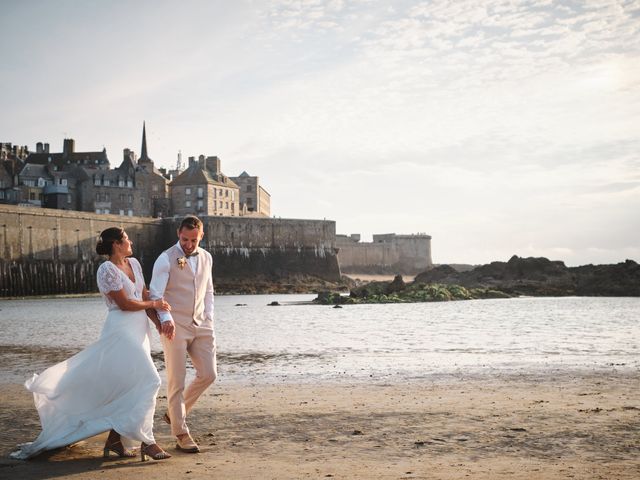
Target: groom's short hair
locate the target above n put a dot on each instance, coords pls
(191, 222)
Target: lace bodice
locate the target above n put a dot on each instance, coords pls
(111, 279)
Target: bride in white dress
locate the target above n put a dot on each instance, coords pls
(112, 384)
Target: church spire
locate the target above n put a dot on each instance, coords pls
(143, 153)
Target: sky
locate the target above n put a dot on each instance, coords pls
(497, 127)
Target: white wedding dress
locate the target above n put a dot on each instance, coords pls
(111, 384)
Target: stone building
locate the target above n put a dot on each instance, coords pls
(203, 189)
(387, 254)
(254, 199)
(84, 181)
(12, 159)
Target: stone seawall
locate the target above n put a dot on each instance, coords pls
(48, 251)
(387, 254)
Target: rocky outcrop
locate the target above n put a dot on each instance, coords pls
(517, 277)
(543, 277)
(619, 280)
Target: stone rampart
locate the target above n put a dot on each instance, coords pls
(47, 251)
(388, 253)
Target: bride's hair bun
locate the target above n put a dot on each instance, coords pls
(107, 238)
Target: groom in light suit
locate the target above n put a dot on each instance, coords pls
(182, 275)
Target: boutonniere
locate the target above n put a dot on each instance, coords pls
(182, 261)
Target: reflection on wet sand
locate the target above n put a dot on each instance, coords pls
(17, 362)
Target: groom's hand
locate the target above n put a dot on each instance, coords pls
(169, 329)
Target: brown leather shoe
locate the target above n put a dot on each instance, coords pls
(187, 444)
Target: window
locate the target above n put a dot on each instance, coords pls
(107, 197)
(226, 193)
(63, 181)
(2, 194)
(248, 188)
(68, 198)
(106, 210)
(120, 183)
(227, 204)
(129, 183)
(121, 212)
(106, 182)
(187, 203)
(220, 203)
(130, 198)
(96, 181)
(97, 197)
(200, 192)
(154, 187)
(187, 191)
(130, 213)
(98, 210)
(200, 203)
(249, 202)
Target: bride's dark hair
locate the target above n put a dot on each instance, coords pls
(107, 238)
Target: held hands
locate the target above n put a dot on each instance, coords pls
(161, 304)
(168, 329)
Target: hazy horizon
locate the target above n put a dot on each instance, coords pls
(499, 128)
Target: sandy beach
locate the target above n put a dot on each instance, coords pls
(524, 427)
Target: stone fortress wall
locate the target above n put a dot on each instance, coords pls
(47, 251)
(386, 254)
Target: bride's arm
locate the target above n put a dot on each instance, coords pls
(130, 305)
(151, 313)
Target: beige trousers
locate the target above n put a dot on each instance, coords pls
(199, 343)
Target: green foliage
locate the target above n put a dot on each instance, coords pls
(414, 293)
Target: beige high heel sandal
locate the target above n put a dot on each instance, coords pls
(161, 455)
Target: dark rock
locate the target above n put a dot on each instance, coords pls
(438, 274)
(273, 304)
(397, 285)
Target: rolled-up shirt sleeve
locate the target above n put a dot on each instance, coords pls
(158, 284)
(208, 299)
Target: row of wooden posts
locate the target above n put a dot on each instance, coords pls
(47, 277)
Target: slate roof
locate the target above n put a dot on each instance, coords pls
(77, 158)
(196, 175)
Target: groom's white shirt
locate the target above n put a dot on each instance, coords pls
(160, 278)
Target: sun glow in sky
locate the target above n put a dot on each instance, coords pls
(498, 127)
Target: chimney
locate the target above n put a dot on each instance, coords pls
(39, 148)
(213, 165)
(192, 161)
(68, 146)
(46, 148)
(201, 161)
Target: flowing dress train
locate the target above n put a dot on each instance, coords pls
(111, 384)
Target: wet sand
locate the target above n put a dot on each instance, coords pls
(584, 426)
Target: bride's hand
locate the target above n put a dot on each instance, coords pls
(161, 304)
